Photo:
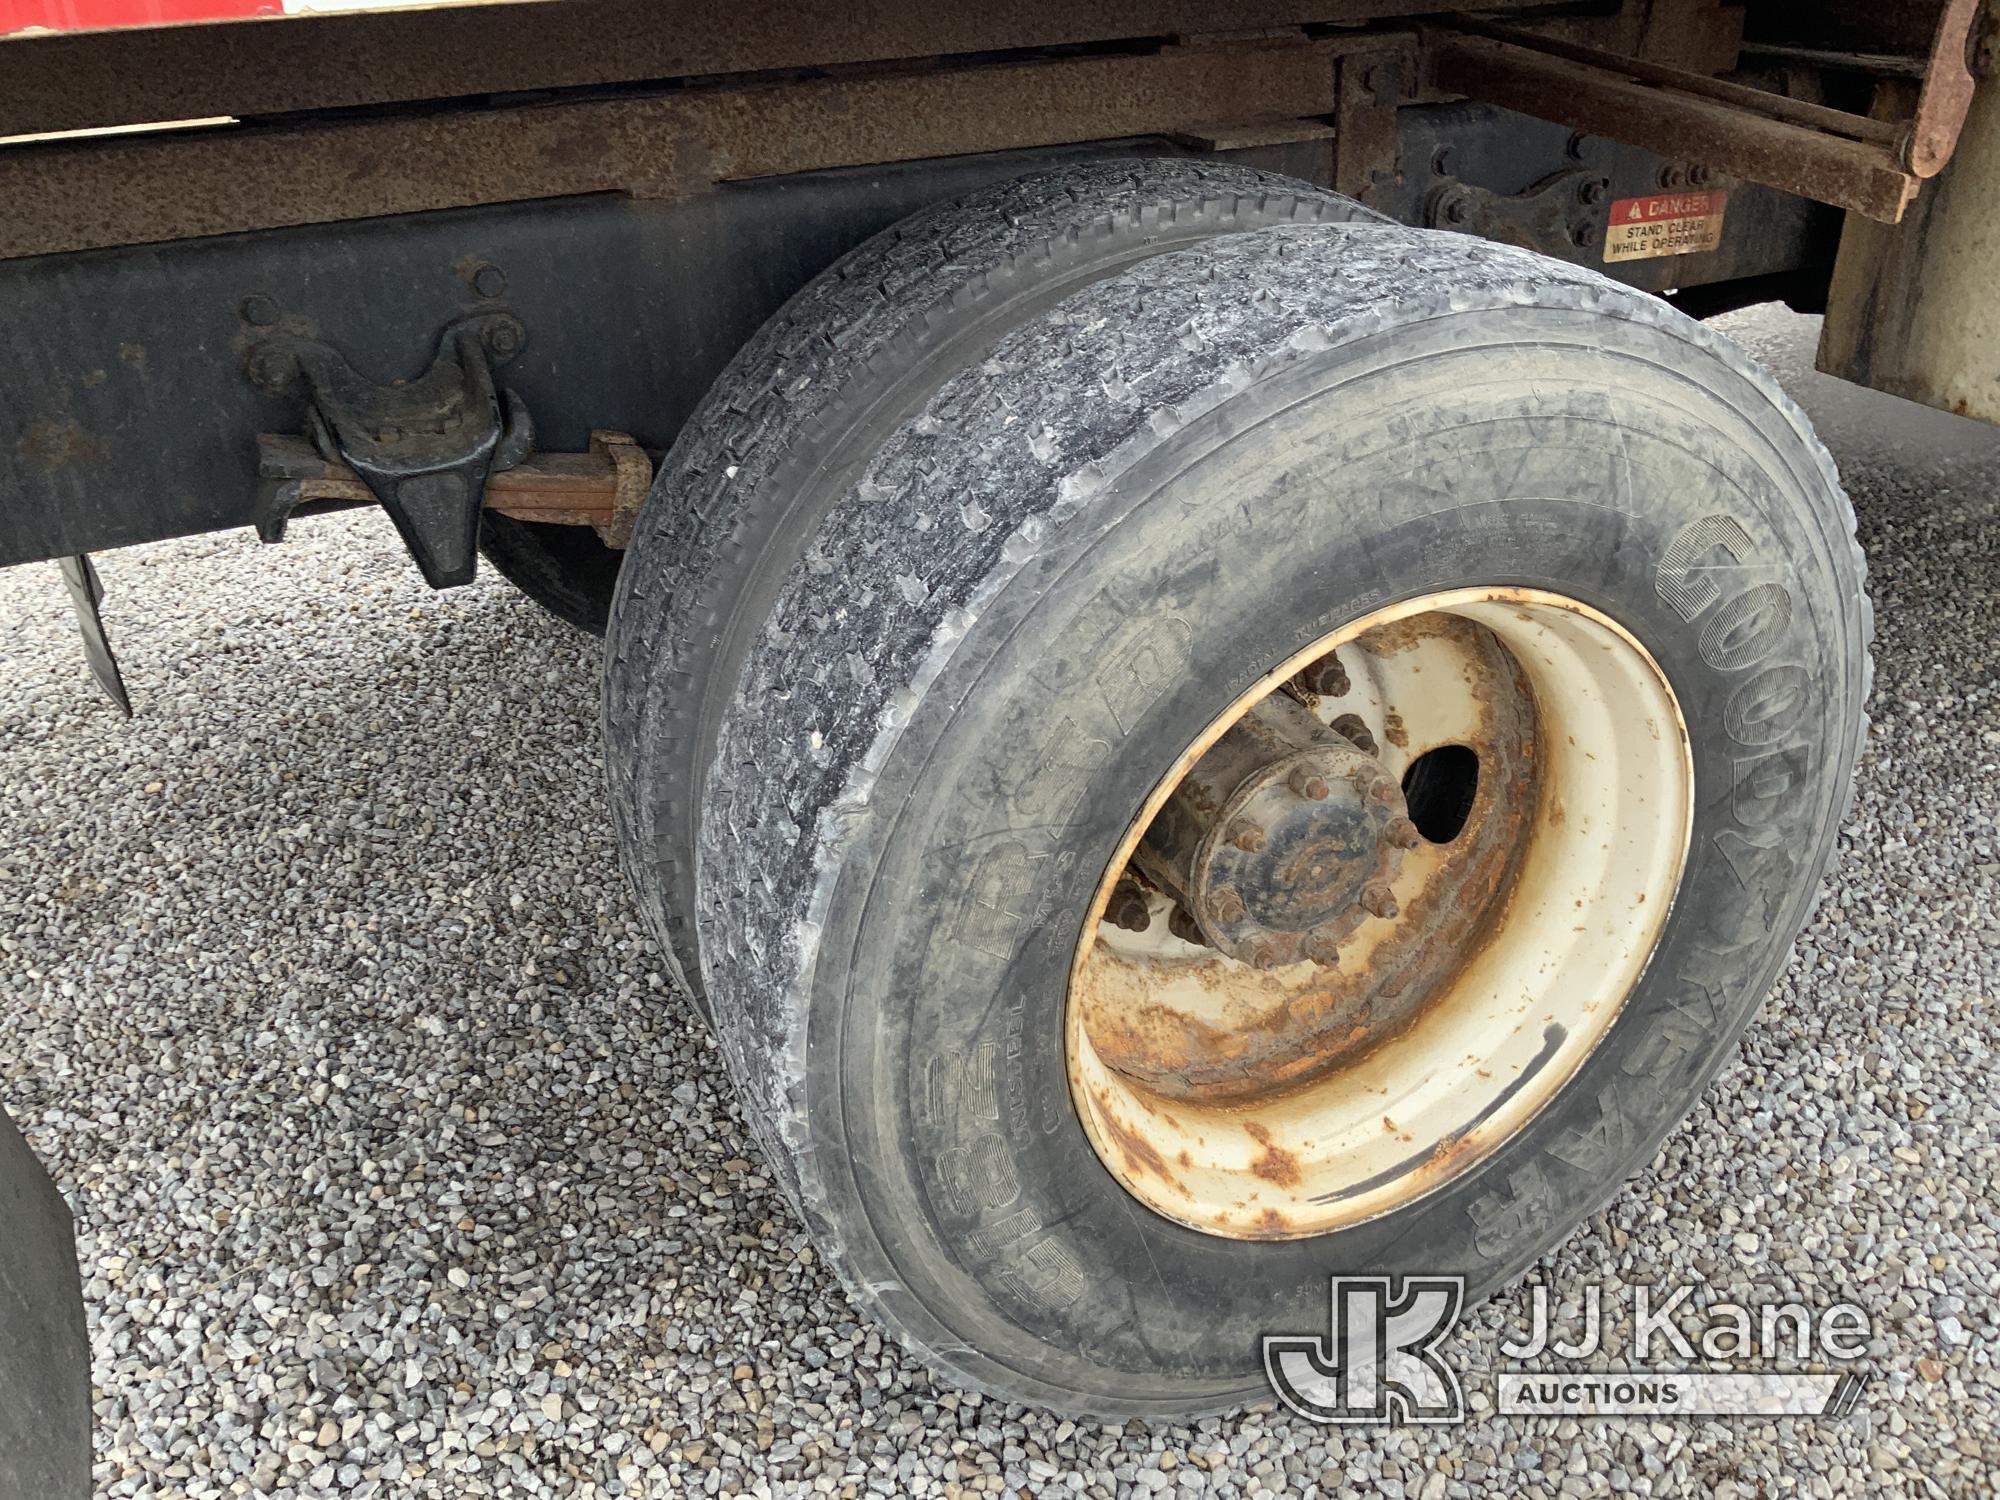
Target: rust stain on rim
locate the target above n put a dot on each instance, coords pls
(1249, 1057)
(1281, 1033)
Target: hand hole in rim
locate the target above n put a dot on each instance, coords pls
(1439, 788)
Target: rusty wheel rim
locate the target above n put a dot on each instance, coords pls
(1379, 913)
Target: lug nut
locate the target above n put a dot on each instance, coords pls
(1127, 907)
(1265, 956)
(1322, 950)
(1228, 905)
(1384, 792)
(1247, 836)
(1378, 901)
(1309, 784)
(1354, 729)
(1326, 678)
(1403, 833)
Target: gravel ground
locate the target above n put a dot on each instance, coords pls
(398, 1171)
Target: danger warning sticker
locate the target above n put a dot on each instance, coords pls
(1664, 224)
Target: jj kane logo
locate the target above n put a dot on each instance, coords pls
(1381, 1363)
(1381, 1360)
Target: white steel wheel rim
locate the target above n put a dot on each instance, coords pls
(1369, 1123)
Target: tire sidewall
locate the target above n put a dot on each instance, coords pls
(1619, 463)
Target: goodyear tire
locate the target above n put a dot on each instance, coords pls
(799, 412)
(1108, 528)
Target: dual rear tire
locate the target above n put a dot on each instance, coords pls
(992, 529)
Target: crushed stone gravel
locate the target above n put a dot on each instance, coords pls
(398, 1170)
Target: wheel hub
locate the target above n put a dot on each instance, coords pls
(1478, 802)
(1281, 840)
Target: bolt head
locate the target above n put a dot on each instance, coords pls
(1228, 904)
(1322, 950)
(1403, 833)
(1354, 729)
(1183, 926)
(1326, 678)
(1265, 956)
(1247, 836)
(271, 367)
(1127, 908)
(1309, 784)
(1378, 901)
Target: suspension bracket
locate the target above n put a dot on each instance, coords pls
(423, 447)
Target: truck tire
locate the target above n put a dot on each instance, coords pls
(800, 406)
(1077, 1122)
(565, 569)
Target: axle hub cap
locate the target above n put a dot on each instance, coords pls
(1280, 839)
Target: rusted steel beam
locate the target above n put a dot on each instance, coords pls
(311, 62)
(1722, 90)
(1864, 176)
(78, 195)
(1946, 94)
(1923, 143)
(1876, 64)
(1367, 138)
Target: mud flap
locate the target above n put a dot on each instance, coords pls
(44, 1352)
(86, 592)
